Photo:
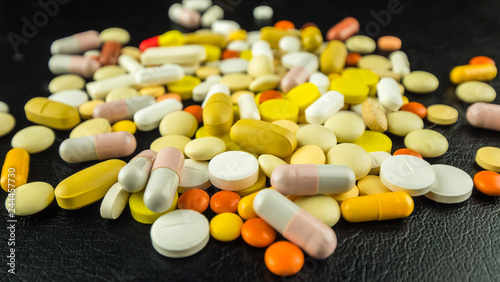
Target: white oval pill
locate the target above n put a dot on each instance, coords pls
(114, 202)
(194, 175)
(263, 13)
(74, 98)
(233, 170)
(66, 82)
(180, 233)
(475, 91)
(205, 148)
(289, 44)
(233, 65)
(408, 174)
(150, 117)
(389, 95)
(30, 198)
(452, 185)
(7, 123)
(34, 139)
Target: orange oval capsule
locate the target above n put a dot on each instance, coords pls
(225, 201)
(406, 151)
(478, 60)
(15, 169)
(416, 108)
(257, 233)
(352, 59)
(110, 52)
(382, 206)
(482, 72)
(343, 30)
(284, 258)
(389, 43)
(487, 182)
(284, 25)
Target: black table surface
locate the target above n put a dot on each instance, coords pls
(439, 242)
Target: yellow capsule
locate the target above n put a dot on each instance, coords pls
(53, 114)
(226, 226)
(171, 38)
(273, 35)
(89, 185)
(15, 169)
(377, 207)
(245, 207)
(311, 38)
(333, 57)
(218, 114)
(240, 34)
(481, 72)
(206, 37)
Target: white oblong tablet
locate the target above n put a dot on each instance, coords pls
(292, 59)
(326, 106)
(194, 175)
(159, 75)
(452, 185)
(185, 54)
(389, 94)
(114, 202)
(233, 65)
(180, 233)
(233, 170)
(149, 118)
(74, 98)
(408, 174)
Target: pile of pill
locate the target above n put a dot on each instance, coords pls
(277, 106)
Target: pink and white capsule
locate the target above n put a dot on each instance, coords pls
(299, 74)
(76, 64)
(164, 180)
(295, 224)
(122, 109)
(134, 176)
(77, 43)
(310, 179)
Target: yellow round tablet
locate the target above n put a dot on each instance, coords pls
(489, 158)
(177, 141)
(213, 52)
(303, 95)
(373, 141)
(309, 154)
(206, 71)
(141, 213)
(276, 109)
(355, 91)
(368, 77)
(124, 125)
(246, 54)
(184, 87)
(226, 226)
(442, 114)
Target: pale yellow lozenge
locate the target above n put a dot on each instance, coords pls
(351, 155)
(347, 126)
(7, 123)
(475, 91)
(316, 134)
(403, 122)
(87, 108)
(371, 184)
(442, 114)
(489, 158)
(309, 154)
(34, 139)
(237, 81)
(177, 141)
(360, 44)
(66, 82)
(265, 82)
(268, 163)
(420, 82)
(353, 193)
(91, 127)
(108, 72)
(427, 142)
(290, 125)
(132, 51)
(373, 62)
(30, 198)
(121, 93)
(178, 123)
(117, 34)
(153, 90)
(205, 148)
(124, 125)
(322, 207)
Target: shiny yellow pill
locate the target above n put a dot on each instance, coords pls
(218, 114)
(141, 213)
(245, 207)
(124, 125)
(226, 226)
(333, 58)
(15, 169)
(279, 109)
(303, 95)
(53, 114)
(481, 72)
(184, 87)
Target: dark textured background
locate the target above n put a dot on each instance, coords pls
(437, 242)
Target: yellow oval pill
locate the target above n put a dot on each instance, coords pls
(226, 226)
(53, 114)
(218, 114)
(153, 90)
(121, 93)
(184, 87)
(205, 148)
(177, 141)
(87, 108)
(236, 81)
(124, 125)
(489, 158)
(368, 77)
(15, 169)
(303, 95)
(351, 155)
(34, 139)
(268, 163)
(279, 109)
(89, 185)
(442, 114)
(91, 127)
(141, 213)
(347, 126)
(427, 142)
(322, 207)
(355, 91)
(66, 82)
(309, 154)
(30, 198)
(332, 59)
(108, 72)
(7, 123)
(178, 123)
(261, 137)
(245, 207)
(373, 141)
(371, 184)
(316, 134)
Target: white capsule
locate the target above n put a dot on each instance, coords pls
(321, 81)
(159, 75)
(84, 66)
(184, 16)
(149, 118)
(263, 13)
(216, 88)
(77, 43)
(225, 27)
(129, 63)
(134, 176)
(325, 107)
(248, 108)
(213, 14)
(99, 89)
(201, 90)
(289, 44)
(400, 63)
(389, 94)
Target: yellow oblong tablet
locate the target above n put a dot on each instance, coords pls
(262, 137)
(53, 114)
(89, 185)
(489, 158)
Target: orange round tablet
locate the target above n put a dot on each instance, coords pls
(416, 108)
(406, 151)
(284, 25)
(257, 233)
(269, 95)
(352, 59)
(478, 60)
(225, 201)
(169, 96)
(228, 54)
(196, 111)
(194, 199)
(284, 258)
(487, 182)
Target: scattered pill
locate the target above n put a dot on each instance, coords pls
(478, 60)
(226, 226)
(262, 13)
(124, 125)
(7, 123)
(481, 72)
(406, 151)
(194, 199)
(343, 29)
(66, 82)
(30, 198)
(114, 202)
(134, 176)
(34, 139)
(383, 206)
(322, 207)
(401, 123)
(194, 175)
(475, 91)
(360, 44)
(487, 182)
(442, 114)
(452, 185)
(233, 170)
(91, 127)
(51, 113)
(484, 115)
(141, 213)
(224, 201)
(489, 158)
(407, 173)
(77, 43)
(427, 142)
(15, 169)
(416, 108)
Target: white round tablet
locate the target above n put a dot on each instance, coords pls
(74, 98)
(452, 185)
(194, 175)
(180, 233)
(114, 202)
(233, 170)
(408, 174)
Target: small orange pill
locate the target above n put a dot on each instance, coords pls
(196, 111)
(343, 30)
(416, 108)
(487, 182)
(406, 151)
(352, 59)
(257, 233)
(169, 96)
(225, 201)
(478, 60)
(194, 199)
(284, 25)
(284, 258)
(269, 95)
(228, 54)
(389, 43)
(110, 52)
